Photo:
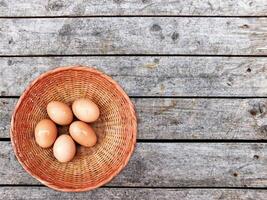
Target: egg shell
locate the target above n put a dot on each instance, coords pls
(83, 134)
(85, 110)
(45, 133)
(64, 148)
(59, 112)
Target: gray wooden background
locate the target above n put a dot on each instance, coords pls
(195, 70)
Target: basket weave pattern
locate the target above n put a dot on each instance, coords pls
(115, 129)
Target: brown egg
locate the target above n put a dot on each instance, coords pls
(85, 110)
(64, 148)
(83, 134)
(59, 112)
(45, 133)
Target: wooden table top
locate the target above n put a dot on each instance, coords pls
(196, 72)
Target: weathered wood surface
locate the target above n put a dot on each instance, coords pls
(173, 165)
(134, 7)
(132, 193)
(186, 118)
(154, 76)
(153, 164)
(163, 35)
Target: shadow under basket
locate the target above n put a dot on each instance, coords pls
(115, 129)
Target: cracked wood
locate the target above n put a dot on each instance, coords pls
(186, 118)
(151, 76)
(131, 193)
(162, 35)
(133, 7)
(173, 165)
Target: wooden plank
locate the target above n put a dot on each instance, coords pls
(152, 76)
(173, 165)
(134, 7)
(163, 35)
(132, 193)
(186, 118)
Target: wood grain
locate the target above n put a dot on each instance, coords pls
(173, 165)
(163, 35)
(131, 193)
(151, 76)
(186, 118)
(133, 7)
(153, 164)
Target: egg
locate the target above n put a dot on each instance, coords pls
(45, 133)
(85, 110)
(64, 148)
(83, 134)
(59, 112)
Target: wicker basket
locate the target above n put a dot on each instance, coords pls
(115, 128)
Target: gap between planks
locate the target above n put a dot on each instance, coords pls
(186, 140)
(173, 97)
(145, 187)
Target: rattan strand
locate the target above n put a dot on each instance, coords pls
(115, 128)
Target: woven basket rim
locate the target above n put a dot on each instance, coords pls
(98, 73)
